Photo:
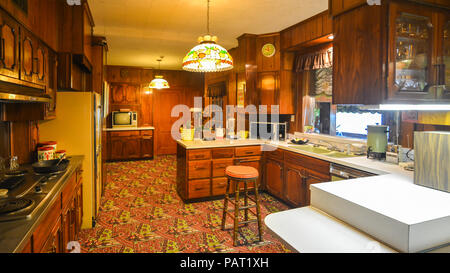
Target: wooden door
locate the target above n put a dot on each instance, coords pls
(132, 94)
(9, 46)
(163, 103)
(295, 185)
(65, 227)
(411, 53)
(132, 147)
(28, 45)
(118, 93)
(41, 65)
(50, 108)
(274, 177)
(268, 85)
(147, 147)
(53, 244)
(79, 210)
(312, 178)
(116, 148)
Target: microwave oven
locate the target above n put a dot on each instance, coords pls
(271, 131)
(124, 119)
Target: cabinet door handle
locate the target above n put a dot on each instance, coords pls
(2, 49)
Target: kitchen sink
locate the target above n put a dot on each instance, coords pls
(311, 149)
(322, 151)
(339, 155)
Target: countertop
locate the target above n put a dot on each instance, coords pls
(359, 162)
(146, 128)
(203, 144)
(15, 234)
(318, 232)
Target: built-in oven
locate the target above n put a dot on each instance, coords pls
(339, 172)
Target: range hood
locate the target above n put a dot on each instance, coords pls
(10, 93)
(8, 97)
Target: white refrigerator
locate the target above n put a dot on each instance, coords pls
(77, 129)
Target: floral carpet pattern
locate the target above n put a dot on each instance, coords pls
(141, 212)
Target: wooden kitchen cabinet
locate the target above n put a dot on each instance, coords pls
(77, 32)
(289, 175)
(405, 41)
(125, 94)
(274, 176)
(50, 108)
(28, 46)
(130, 145)
(62, 224)
(201, 172)
(295, 185)
(54, 240)
(9, 46)
(146, 147)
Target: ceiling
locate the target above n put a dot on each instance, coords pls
(139, 31)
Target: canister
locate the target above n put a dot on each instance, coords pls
(45, 153)
(377, 138)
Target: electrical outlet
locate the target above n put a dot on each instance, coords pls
(293, 118)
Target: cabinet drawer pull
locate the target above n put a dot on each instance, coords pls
(200, 168)
(2, 53)
(198, 188)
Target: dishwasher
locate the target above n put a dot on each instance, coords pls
(339, 172)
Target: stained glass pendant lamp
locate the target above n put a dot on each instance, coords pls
(208, 56)
(159, 82)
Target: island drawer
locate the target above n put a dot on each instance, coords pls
(319, 166)
(223, 153)
(219, 186)
(199, 188)
(199, 154)
(199, 169)
(277, 154)
(248, 151)
(124, 133)
(147, 133)
(219, 166)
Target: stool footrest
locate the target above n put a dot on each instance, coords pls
(244, 208)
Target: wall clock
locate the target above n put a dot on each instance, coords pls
(268, 50)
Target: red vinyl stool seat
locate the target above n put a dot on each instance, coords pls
(242, 175)
(242, 172)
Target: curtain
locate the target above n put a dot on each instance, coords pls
(312, 61)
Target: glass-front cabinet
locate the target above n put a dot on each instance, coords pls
(411, 70)
(445, 72)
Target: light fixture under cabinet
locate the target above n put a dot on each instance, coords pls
(408, 107)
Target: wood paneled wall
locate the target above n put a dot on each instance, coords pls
(312, 31)
(129, 90)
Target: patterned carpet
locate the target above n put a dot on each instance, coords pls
(141, 212)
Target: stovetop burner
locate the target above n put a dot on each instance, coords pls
(12, 182)
(12, 173)
(14, 205)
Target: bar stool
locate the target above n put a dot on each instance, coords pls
(242, 174)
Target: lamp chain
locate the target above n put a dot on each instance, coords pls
(207, 19)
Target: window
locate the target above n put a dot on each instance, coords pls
(355, 124)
